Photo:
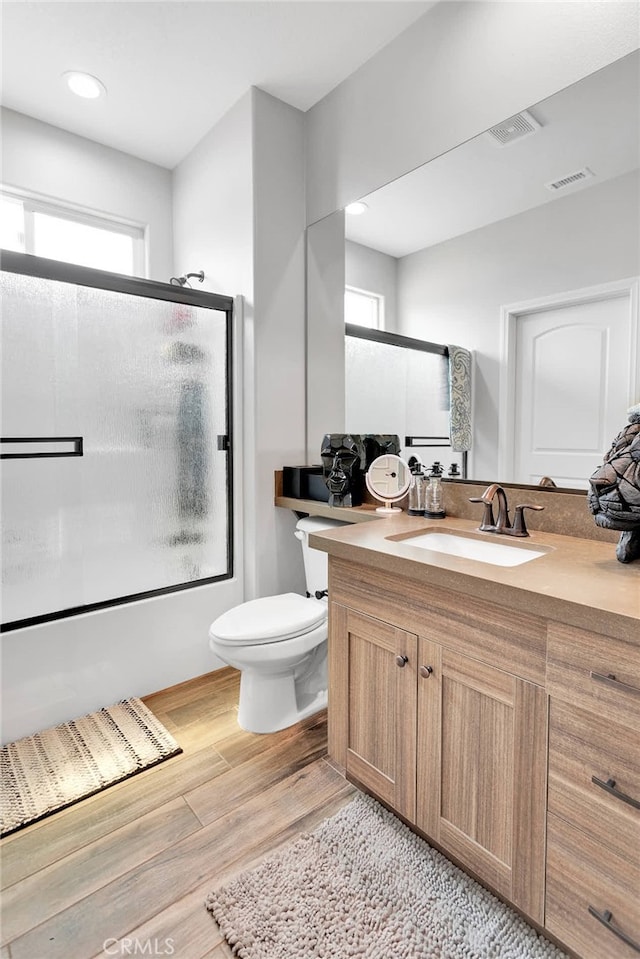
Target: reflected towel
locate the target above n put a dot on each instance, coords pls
(460, 398)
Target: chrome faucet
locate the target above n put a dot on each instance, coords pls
(503, 523)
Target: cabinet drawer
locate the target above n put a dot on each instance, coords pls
(595, 672)
(584, 745)
(583, 873)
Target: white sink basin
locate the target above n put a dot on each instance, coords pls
(471, 547)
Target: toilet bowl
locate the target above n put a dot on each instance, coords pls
(279, 643)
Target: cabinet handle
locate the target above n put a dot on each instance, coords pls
(402, 661)
(610, 787)
(425, 671)
(605, 918)
(611, 680)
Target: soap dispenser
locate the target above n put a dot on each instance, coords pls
(434, 495)
(417, 490)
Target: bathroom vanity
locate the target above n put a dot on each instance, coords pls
(496, 709)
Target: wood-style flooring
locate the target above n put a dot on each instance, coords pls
(126, 872)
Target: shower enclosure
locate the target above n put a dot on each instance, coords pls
(116, 439)
(398, 384)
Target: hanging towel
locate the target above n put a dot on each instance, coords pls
(459, 398)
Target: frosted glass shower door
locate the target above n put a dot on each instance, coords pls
(146, 507)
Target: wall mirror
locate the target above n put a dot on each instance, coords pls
(522, 245)
(388, 479)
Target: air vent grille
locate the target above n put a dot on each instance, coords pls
(570, 179)
(515, 128)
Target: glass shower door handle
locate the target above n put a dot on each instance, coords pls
(39, 447)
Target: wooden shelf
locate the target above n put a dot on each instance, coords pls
(350, 514)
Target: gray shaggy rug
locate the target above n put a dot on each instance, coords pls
(364, 885)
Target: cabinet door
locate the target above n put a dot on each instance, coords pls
(482, 771)
(373, 694)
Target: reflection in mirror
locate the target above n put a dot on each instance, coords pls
(397, 379)
(388, 479)
(523, 245)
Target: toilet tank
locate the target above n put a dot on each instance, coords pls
(316, 562)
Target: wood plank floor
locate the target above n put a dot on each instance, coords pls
(126, 872)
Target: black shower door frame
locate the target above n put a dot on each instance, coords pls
(29, 265)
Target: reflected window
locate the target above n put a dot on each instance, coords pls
(58, 233)
(363, 308)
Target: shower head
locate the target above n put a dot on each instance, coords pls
(184, 280)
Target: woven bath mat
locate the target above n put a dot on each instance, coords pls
(42, 774)
(364, 885)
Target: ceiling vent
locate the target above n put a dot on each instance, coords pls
(515, 128)
(570, 179)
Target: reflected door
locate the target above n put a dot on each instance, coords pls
(142, 384)
(575, 366)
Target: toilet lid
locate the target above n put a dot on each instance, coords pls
(269, 620)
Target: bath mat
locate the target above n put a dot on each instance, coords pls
(364, 885)
(42, 774)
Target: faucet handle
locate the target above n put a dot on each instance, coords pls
(519, 525)
(488, 522)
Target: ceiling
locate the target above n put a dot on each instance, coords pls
(594, 123)
(172, 69)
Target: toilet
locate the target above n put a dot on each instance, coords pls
(279, 643)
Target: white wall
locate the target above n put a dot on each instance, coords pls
(375, 272)
(273, 560)
(239, 215)
(213, 206)
(213, 232)
(461, 68)
(325, 332)
(52, 163)
(453, 292)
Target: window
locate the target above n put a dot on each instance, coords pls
(33, 226)
(363, 308)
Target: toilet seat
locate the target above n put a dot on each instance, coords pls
(270, 619)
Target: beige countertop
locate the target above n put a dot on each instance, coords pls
(576, 581)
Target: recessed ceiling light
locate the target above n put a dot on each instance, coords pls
(84, 85)
(355, 209)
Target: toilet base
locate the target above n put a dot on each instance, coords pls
(269, 702)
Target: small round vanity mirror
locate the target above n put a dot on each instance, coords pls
(388, 479)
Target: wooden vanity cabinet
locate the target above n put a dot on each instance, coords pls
(593, 837)
(481, 771)
(454, 744)
(373, 700)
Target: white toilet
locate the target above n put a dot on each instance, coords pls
(280, 645)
